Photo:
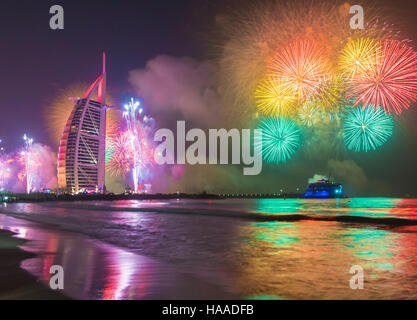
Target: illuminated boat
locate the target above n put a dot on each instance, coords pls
(324, 189)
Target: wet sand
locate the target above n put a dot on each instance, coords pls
(95, 270)
(16, 283)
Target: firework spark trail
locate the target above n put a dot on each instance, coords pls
(131, 115)
(5, 171)
(129, 147)
(280, 139)
(27, 153)
(367, 129)
(392, 82)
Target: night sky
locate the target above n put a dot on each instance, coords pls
(37, 61)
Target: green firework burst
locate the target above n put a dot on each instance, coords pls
(367, 129)
(281, 138)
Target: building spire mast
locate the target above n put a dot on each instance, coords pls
(102, 85)
(99, 85)
(104, 62)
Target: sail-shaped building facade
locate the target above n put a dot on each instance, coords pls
(81, 156)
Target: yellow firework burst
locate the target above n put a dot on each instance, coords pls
(359, 56)
(273, 98)
(308, 114)
(330, 94)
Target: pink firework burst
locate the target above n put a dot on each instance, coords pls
(390, 83)
(301, 66)
(120, 159)
(124, 157)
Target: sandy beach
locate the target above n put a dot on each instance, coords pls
(16, 283)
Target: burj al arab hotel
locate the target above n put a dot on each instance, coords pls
(81, 156)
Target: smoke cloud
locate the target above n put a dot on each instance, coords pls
(348, 172)
(45, 176)
(178, 89)
(43, 164)
(317, 177)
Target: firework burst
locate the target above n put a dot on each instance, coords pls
(118, 154)
(308, 114)
(359, 56)
(392, 82)
(367, 129)
(248, 38)
(130, 145)
(302, 67)
(274, 98)
(281, 138)
(330, 95)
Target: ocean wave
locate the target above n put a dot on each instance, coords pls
(252, 216)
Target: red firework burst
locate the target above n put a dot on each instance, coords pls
(121, 157)
(391, 83)
(301, 66)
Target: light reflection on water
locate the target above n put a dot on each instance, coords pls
(227, 257)
(312, 261)
(96, 270)
(278, 234)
